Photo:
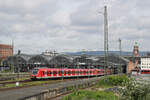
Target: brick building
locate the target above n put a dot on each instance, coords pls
(134, 61)
(5, 51)
(136, 50)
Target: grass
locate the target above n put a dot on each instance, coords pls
(13, 80)
(30, 83)
(114, 80)
(100, 94)
(91, 95)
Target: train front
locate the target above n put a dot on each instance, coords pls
(34, 74)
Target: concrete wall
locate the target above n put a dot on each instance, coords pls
(52, 93)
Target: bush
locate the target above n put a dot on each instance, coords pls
(135, 91)
(115, 80)
(91, 95)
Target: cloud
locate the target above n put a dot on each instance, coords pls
(72, 25)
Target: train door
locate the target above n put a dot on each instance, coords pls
(54, 73)
(60, 73)
(84, 72)
(45, 73)
(69, 73)
(49, 73)
(73, 72)
(42, 73)
(97, 72)
(78, 72)
(65, 73)
(88, 72)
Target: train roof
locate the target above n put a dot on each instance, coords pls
(45, 68)
(41, 68)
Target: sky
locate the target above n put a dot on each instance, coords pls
(74, 25)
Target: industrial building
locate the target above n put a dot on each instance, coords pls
(5, 51)
(25, 62)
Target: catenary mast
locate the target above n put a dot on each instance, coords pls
(105, 39)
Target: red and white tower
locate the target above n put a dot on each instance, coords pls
(136, 54)
(136, 50)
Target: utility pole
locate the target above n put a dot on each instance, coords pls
(12, 65)
(12, 46)
(120, 46)
(120, 52)
(105, 39)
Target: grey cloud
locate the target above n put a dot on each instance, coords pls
(87, 18)
(72, 24)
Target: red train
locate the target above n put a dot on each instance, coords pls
(43, 73)
(145, 71)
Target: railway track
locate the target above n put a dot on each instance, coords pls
(11, 82)
(12, 76)
(2, 84)
(37, 91)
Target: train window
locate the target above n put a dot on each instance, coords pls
(73, 72)
(34, 72)
(60, 72)
(76, 72)
(43, 72)
(90, 72)
(54, 72)
(69, 72)
(48, 73)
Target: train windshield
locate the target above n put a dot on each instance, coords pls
(34, 72)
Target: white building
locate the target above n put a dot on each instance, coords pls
(50, 53)
(145, 63)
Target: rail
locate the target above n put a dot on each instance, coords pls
(62, 90)
(12, 76)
